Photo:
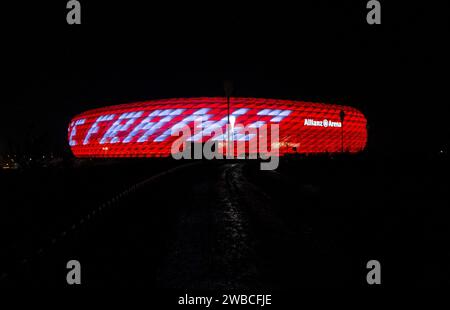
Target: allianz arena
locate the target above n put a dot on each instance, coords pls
(144, 129)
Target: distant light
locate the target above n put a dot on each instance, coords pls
(105, 148)
(232, 120)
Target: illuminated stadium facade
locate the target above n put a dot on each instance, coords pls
(145, 129)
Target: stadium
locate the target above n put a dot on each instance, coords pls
(145, 129)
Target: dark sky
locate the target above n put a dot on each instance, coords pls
(324, 51)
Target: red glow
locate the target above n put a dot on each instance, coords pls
(115, 131)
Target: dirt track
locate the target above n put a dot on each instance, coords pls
(228, 225)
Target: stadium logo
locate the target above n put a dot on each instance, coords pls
(324, 123)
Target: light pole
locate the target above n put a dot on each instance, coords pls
(228, 88)
(342, 116)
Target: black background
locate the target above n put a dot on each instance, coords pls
(396, 73)
(324, 51)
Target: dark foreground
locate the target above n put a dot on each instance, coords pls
(228, 225)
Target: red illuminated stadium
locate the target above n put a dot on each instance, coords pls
(143, 129)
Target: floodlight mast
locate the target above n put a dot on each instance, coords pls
(342, 116)
(228, 88)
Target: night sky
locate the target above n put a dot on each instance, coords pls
(396, 73)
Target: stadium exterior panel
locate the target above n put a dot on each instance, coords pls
(145, 129)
